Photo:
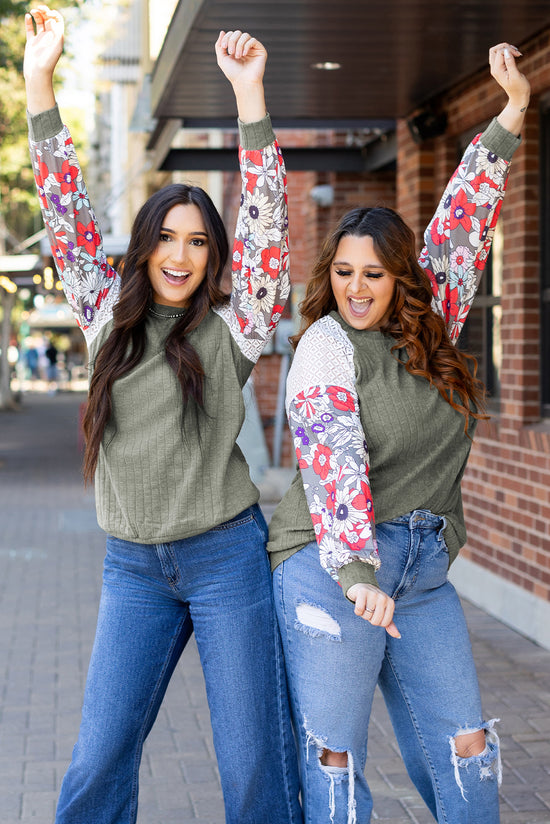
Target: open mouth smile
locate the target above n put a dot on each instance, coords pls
(359, 306)
(175, 276)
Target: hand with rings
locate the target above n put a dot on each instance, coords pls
(374, 606)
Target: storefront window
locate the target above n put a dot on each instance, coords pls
(481, 335)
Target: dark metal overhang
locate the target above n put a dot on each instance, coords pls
(376, 155)
(395, 56)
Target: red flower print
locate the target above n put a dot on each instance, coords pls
(341, 398)
(101, 295)
(238, 249)
(330, 489)
(478, 182)
(88, 237)
(460, 211)
(302, 463)
(318, 527)
(275, 316)
(255, 157)
(304, 401)
(43, 172)
(251, 180)
(363, 499)
(482, 256)
(433, 281)
(353, 538)
(451, 304)
(438, 232)
(321, 461)
(270, 261)
(59, 259)
(66, 177)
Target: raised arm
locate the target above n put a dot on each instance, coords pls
(260, 251)
(459, 237)
(91, 285)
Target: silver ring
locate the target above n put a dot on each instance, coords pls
(368, 610)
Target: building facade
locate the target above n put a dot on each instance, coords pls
(505, 566)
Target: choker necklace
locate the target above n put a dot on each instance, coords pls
(161, 315)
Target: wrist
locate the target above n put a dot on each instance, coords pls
(250, 103)
(40, 95)
(518, 103)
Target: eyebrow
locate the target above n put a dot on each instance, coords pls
(173, 232)
(365, 265)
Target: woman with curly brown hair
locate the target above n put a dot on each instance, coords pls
(382, 409)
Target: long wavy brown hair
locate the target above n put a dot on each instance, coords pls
(124, 347)
(417, 329)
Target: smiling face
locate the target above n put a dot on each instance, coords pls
(362, 287)
(178, 265)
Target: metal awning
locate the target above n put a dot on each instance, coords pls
(394, 54)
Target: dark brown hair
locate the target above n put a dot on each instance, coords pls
(124, 347)
(411, 320)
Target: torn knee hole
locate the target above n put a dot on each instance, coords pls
(476, 749)
(328, 758)
(470, 744)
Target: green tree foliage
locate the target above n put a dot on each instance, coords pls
(19, 210)
(17, 199)
(9, 8)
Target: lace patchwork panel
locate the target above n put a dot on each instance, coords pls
(324, 356)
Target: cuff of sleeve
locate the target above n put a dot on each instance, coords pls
(499, 140)
(44, 125)
(358, 572)
(256, 136)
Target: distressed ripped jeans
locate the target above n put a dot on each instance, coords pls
(335, 659)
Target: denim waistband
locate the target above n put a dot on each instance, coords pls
(418, 519)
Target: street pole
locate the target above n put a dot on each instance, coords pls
(7, 400)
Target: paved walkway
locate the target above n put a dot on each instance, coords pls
(50, 566)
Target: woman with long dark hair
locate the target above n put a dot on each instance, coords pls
(169, 356)
(382, 409)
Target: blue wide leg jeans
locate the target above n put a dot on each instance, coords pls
(335, 659)
(217, 584)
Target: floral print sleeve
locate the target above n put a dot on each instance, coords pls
(459, 237)
(260, 273)
(323, 412)
(90, 284)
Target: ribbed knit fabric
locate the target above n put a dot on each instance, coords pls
(158, 479)
(417, 450)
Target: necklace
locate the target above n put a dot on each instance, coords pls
(161, 315)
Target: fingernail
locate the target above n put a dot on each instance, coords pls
(507, 53)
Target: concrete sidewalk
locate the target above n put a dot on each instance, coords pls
(51, 553)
